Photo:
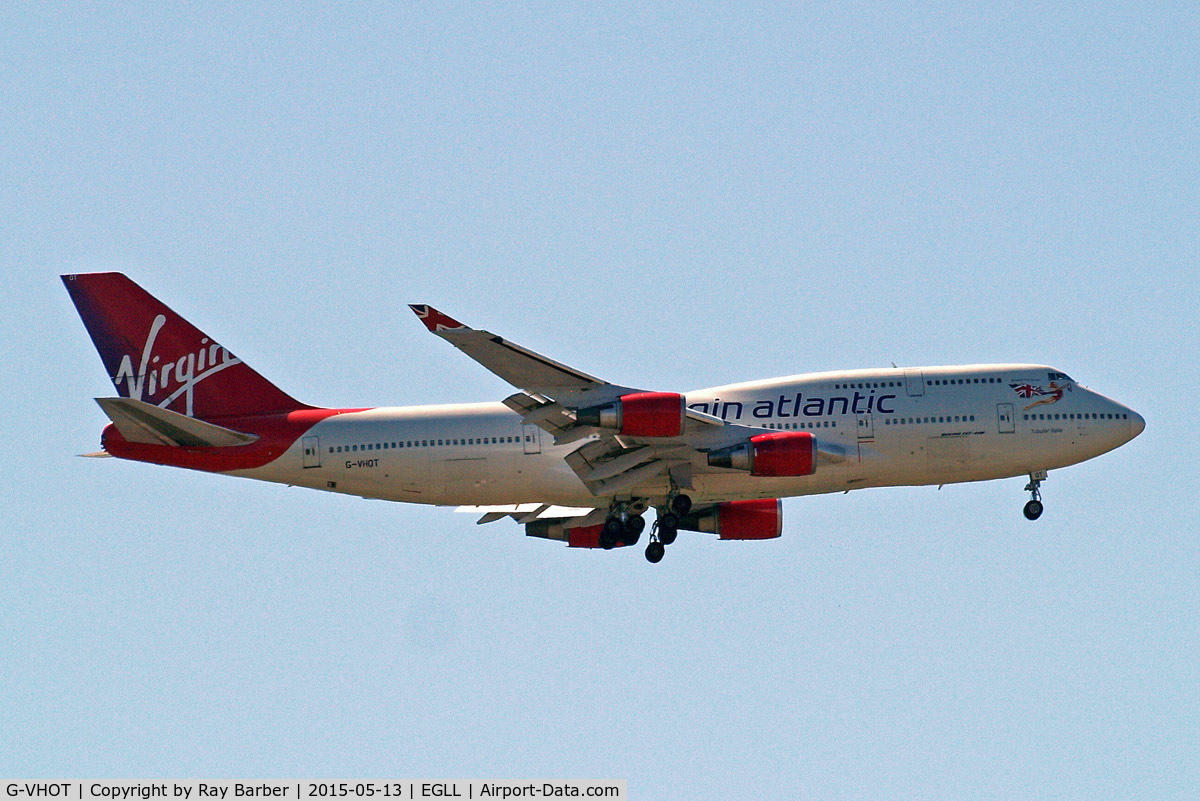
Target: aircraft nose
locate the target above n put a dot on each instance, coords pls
(1137, 424)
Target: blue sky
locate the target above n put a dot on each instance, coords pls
(669, 197)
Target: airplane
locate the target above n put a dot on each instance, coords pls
(577, 459)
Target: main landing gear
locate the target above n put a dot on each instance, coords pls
(668, 521)
(666, 528)
(655, 551)
(1033, 509)
(626, 529)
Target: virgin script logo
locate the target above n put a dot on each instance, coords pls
(178, 377)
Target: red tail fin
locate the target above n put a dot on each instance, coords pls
(154, 355)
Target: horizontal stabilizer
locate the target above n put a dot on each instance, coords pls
(151, 425)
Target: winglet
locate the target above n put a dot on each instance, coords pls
(433, 319)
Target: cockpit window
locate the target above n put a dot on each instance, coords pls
(1060, 377)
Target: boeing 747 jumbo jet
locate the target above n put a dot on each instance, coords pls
(575, 458)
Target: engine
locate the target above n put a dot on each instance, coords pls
(784, 453)
(586, 537)
(739, 520)
(639, 414)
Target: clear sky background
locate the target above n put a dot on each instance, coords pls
(668, 197)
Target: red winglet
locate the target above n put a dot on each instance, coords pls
(434, 320)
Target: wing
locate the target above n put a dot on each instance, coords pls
(568, 403)
(521, 367)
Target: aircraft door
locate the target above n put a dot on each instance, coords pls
(866, 427)
(865, 424)
(914, 382)
(312, 451)
(531, 439)
(1005, 419)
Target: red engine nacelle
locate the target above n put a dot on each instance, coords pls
(586, 537)
(639, 414)
(786, 453)
(739, 520)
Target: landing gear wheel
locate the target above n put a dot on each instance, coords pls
(1033, 509)
(668, 528)
(655, 552)
(634, 526)
(681, 505)
(612, 531)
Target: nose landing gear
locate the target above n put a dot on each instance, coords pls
(1033, 509)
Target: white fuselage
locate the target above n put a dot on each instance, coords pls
(934, 425)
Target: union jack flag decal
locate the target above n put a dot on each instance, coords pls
(1027, 390)
(434, 320)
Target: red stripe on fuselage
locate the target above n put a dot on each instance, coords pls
(276, 433)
